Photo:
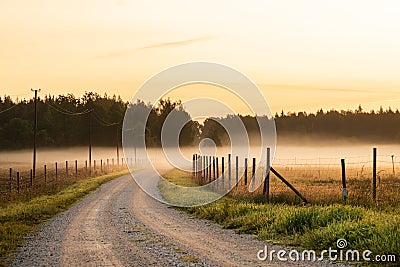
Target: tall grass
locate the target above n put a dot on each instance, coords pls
(308, 227)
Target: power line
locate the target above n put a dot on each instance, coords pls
(103, 122)
(10, 108)
(67, 112)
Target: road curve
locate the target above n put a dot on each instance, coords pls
(120, 225)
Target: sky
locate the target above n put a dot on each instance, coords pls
(303, 55)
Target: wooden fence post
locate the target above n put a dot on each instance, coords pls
(289, 185)
(253, 171)
(56, 172)
(237, 170)
(205, 168)
(101, 166)
(223, 172)
(66, 168)
(394, 173)
(31, 178)
(10, 180)
(213, 162)
(18, 182)
(374, 174)
(344, 192)
(86, 167)
(193, 165)
(198, 167)
(76, 169)
(45, 174)
(245, 171)
(267, 177)
(209, 168)
(229, 169)
(217, 167)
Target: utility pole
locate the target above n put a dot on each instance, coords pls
(90, 141)
(34, 135)
(117, 137)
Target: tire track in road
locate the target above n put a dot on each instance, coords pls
(202, 237)
(90, 237)
(120, 225)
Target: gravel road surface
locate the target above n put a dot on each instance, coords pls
(120, 225)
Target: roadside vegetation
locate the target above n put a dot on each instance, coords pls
(19, 219)
(289, 223)
(179, 196)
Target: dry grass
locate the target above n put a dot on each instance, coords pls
(323, 186)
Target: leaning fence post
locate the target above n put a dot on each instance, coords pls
(267, 177)
(344, 192)
(374, 174)
(18, 182)
(45, 174)
(10, 181)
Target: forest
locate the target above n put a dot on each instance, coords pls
(66, 120)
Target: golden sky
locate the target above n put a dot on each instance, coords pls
(304, 55)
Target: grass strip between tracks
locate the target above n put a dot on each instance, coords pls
(18, 220)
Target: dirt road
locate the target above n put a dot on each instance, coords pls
(120, 225)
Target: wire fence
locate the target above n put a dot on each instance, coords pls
(319, 180)
(20, 181)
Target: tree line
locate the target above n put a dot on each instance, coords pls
(66, 120)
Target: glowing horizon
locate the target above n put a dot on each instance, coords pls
(303, 55)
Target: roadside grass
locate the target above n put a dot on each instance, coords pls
(318, 227)
(18, 220)
(314, 227)
(179, 195)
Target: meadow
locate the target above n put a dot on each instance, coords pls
(286, 221)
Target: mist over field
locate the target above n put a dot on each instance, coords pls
(287, 149)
